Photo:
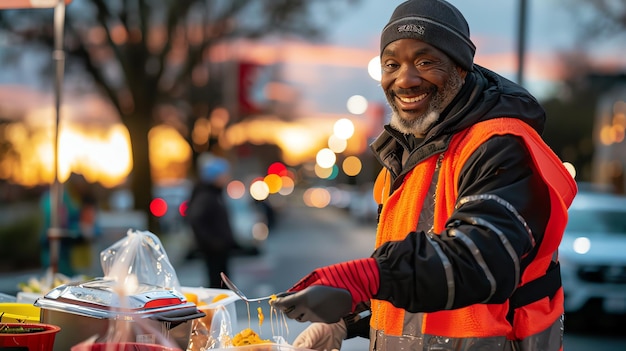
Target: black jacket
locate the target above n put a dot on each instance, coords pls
(208, 216)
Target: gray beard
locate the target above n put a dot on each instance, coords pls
(418, 126)
(422, 124)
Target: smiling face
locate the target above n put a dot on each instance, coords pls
(419, 81)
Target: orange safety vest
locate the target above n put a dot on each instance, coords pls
(401, 210)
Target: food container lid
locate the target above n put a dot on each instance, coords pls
(18, 313)
(98, 298)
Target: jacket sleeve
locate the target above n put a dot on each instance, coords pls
(500, 216)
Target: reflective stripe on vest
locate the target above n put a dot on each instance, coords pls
(401, 210)
(549, 339)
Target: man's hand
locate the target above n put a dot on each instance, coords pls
(322, 336)
(329, 293)
(317, 303)
(360, 277)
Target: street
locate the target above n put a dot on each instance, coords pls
(305, 239)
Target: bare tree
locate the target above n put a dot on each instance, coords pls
(598, 18)
(571, 110)
(142, 54)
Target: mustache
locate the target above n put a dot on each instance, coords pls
(411, 91)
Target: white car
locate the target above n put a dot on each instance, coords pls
(593, 254)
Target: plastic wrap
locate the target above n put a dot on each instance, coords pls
(132, 262)
(141, 256)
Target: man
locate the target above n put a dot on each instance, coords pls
(473, 205)
(208, 216)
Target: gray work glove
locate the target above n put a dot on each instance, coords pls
(322, 336)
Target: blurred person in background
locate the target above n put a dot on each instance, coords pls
(473, 205)
(209, 218)
(77, 221)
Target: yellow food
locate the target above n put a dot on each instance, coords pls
(43, 284)
(248, 337)
(191, 297)
(219, 297)
(259, 311)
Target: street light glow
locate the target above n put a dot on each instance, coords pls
(259, 190)
(373, 68)
(325, 158)
(357, 104)
(338, 145)
(343, 128)
(352, 166)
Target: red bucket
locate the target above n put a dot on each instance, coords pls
(33, 341)
(122, 346)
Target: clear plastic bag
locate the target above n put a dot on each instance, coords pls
(139, 257)
(212, 331)
(136, 260)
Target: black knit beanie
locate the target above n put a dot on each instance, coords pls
(435, 22)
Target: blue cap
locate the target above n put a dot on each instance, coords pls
(213, 168)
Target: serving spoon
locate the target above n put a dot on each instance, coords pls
(235, 289)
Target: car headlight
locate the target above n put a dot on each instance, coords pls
(581, 245)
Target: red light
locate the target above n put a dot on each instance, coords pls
(158, 207)
(182, 209)
(277, 168)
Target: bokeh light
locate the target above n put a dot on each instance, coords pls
(357, 104)
(158, 207)
(582, 245)
(182, 209)
(352, 166)
(274, 183)
(259, 190)
(260, 231)
(343, 128)
(99, 154)
(325, 158)
(373, 68)
(339, 198)
(336, 144)
(168, 147)
(570, 168)
(288, 186)
(325, 173)
(235, 189)
(316, 197)
(277, 168)
(219, 119)
(201, 131)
